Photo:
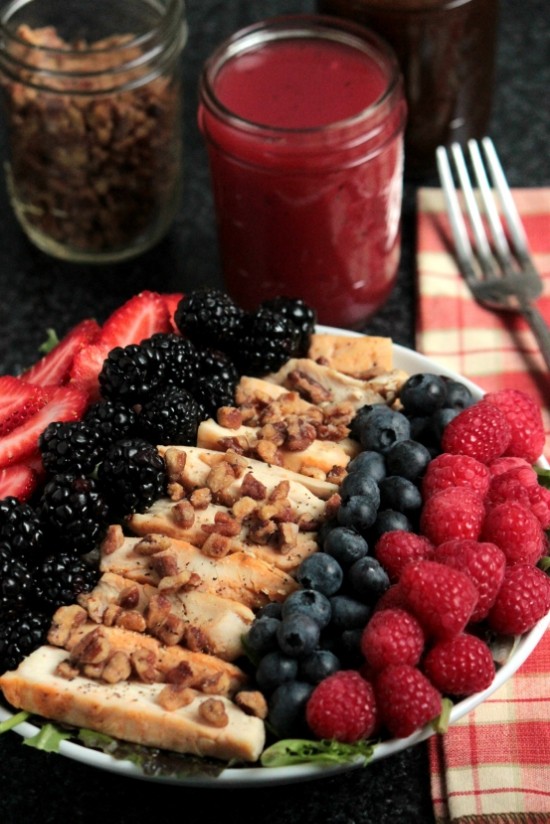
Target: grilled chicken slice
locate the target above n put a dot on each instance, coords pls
(211, 624)
(193, 469)
(361, 356)
(237, 576)
(151, 660)
(320, 455)
(323, 384)
(132, 710)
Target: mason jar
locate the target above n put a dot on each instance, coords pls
(93, 122)
(303, 120)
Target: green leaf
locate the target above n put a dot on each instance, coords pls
(12, 722)
(299, 751)
(51, 341)
(48, 738)
(543, 475)
(441, 723)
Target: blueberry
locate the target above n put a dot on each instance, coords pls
(400, 494)
(407, 458)
(368, 579)
(439, 421)
(458, 395)
(357, 513)
(382, 427)
(287, 709)
(273, 610)
(348, 648)
(298, 634)
(262, 636)
(348, 612)
(317, 666)
(359, 483)
(388, 520)
(346, 545)
(275, 669)
(422, 394)
(321, 572)
(310, 602)
(370, 463)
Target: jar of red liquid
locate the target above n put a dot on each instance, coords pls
(303, 118)
(446, 50)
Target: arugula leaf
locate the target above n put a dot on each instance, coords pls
(48, 738)
(300, 751)
(543, 476)
(51, 341)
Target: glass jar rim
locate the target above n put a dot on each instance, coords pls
(308, 26)
(157, 45)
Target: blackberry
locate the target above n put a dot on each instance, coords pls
(15, 581)
(132, 475)
(113, 420)
(73, 512)
(20, 528)
(171, 417)
(268, 341)
(61, 578)
(70, 446)
(213, 392)
(301, 315)
(180, 358)
(213, 363)
(131, 373)
(20, 634)
(209, 317)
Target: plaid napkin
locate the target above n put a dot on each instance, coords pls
(493, 766)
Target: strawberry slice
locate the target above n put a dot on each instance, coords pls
(171, 301)
(18, 481)
(67, 403)
(18, 401)
(54, 368)
(140, 317)
(86, 367)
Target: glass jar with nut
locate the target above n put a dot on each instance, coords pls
(93, 119)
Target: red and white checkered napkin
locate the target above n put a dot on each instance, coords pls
(493, 766)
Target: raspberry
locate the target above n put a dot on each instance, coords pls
(483, 562)
(456, 512)
(398, 547)
(440, 597)
(503, 464)
(406, 699)
(521, 484)
(392, 598)
(392, 636)
(448, 470)
(523, 599)
(525, 420)
(539, 502)
(480, 431)
(342, 707)
(516, 530)
(460, 666)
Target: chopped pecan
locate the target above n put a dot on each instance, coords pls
(183, 514)
(336, 474)
(174, 696)
(252, 702)
(117, 668)
(280, 492)
(224, 524)
(268, 452)
(201, 498)
(275, 433)
(170, 631)
(308, 387)
(217, 546)
(110, 616)
(175, 460)
(131, 619)
(244, 507)
(176, 492)
(195, 639)
(145, 665)
(237, 444)
(129, 597)
(93, 648)
(165, 564)
(230, 417)
(183, 580)
(64, 622)
(152, 544)
(158, 609)
(299, 435)
(217, 684)
(287, 537)
(262, 532)
(332, 505)
(220, 476)
(212, 711)
(67, 670)
(253, 488)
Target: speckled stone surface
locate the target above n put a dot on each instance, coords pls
(37, 292)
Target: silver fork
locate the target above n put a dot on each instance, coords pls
(499, 273)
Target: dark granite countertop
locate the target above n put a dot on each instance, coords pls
(38, 292)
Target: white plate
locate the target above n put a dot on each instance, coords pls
(412, 363)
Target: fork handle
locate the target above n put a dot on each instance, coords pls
(539, 329)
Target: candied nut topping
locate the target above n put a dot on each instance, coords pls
(308, 387)
(201, 498)
(117, 668)
(111, 614)
(152, 544)
(176, 491)
(253, 488)
(212, 711)
(252, 702)
(230, 417)
(182, 581)
(300, 435)
(145, 665)
(217, 545)
(92, 172)
(129, 597)
(224, 524)
(131, 619)
(217, 684)
(196, 640)
(288, 536)
(165, 564)
(182, 674)
(93, 648)
(65, 621)
(175, 460)
(183, 514)
(66, 670)
(174, 696)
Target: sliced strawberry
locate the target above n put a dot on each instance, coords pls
(86, 367)
(54, 368)
(171, 301)
(19, 400)
(140, 317)
(18, 481)
(67, 403)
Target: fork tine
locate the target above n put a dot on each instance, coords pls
(463, 247)
(472, 208)
(502, 248)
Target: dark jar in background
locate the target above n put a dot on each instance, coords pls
(303, 119)
(446, 49)
(93, 121)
